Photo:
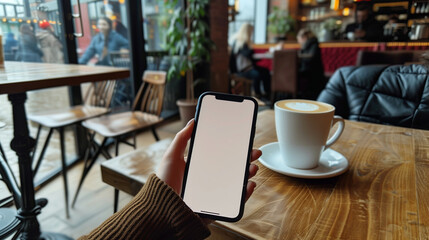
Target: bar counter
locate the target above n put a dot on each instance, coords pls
(342, 53)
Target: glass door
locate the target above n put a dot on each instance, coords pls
(156, 21)
(105, 41)
(32, 32)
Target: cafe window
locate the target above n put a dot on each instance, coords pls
(156, 19)
(244, 13)
(100, 19)
(92, 12)
(249, 11)
(31, 32)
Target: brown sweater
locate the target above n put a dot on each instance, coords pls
(156, 212)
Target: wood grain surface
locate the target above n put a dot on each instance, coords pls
(384, 194)
(17, 77)
(128, 172)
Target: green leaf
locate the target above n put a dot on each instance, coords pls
(279, 22)
(197, 48)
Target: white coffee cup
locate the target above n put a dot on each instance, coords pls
(351, 36)
(303, 128)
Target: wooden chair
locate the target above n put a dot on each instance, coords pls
(240, 85)
(128, 172)
(124, 91)
(285, 73)
(96, 102)
(145, 114)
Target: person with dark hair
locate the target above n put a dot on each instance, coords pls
(365, 26)
(120, 28)
(310, 73)
(28, 51)
(101, 44)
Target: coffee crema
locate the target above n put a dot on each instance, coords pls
(304, 106)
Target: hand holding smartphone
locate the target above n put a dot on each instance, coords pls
(216, 173)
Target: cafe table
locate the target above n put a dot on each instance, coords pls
(16, 78)
(383, 195)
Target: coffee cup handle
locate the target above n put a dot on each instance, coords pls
(337, 134)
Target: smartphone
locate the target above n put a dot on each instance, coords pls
(215, 179)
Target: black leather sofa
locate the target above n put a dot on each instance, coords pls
(394, 95)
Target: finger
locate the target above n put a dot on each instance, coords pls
(253, 169)
(250, 188)
(178, 146)
(256, 153)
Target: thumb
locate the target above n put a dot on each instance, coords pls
(180, 142)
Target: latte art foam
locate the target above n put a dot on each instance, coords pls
(304, 106)
(307, 107)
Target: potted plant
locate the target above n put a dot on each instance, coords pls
(280, 23)
(189, 45)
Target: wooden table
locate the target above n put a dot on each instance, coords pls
(16, 78)
(384, 194)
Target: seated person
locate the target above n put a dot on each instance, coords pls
(241, 61)
(106, 41)
(365, 28)
(310, 73)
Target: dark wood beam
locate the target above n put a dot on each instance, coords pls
(219, 63)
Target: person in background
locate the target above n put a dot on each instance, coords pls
(108, 41)
(28, 51)
(104, 42)
(157, 211)
(241, 61)
(365, 27)
(121, 29)
(10, 47)
(310, 73)
(50, 45)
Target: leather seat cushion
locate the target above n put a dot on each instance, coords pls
(396, 95)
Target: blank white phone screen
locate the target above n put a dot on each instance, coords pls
(218, 161)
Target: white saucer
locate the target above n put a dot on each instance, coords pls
(332, 163)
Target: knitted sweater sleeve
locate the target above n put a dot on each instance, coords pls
(156, 212)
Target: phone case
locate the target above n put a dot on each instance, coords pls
(233, 98)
